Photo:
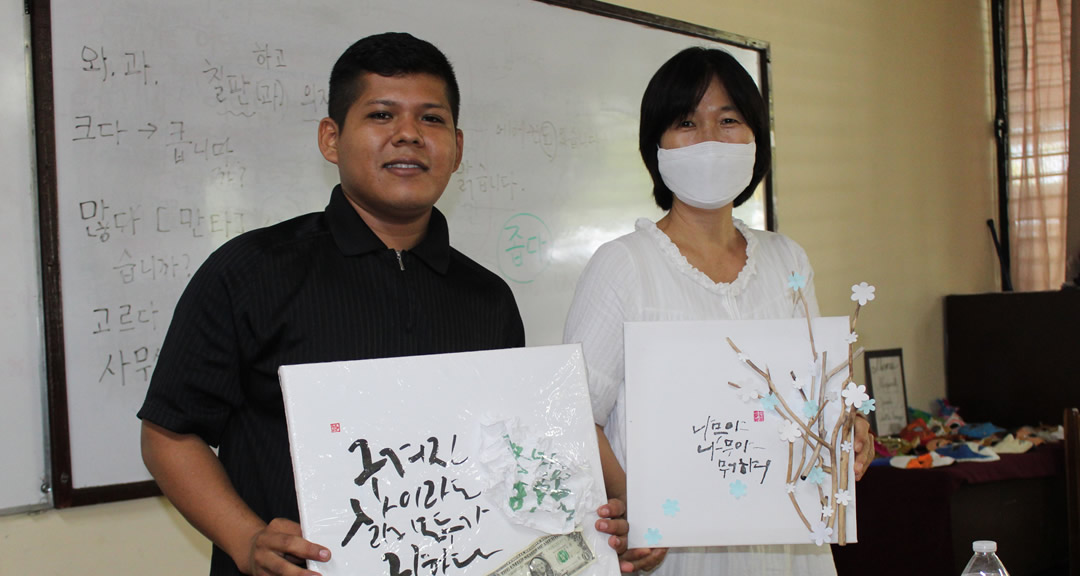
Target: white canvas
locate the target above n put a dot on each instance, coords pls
(706, 465)
(464, 500)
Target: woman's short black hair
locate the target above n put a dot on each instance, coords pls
(675, 91)
(387, 54)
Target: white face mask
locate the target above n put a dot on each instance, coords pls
(707, 175)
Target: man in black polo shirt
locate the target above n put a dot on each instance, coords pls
(372, 276)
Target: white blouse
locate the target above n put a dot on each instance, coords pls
(642, 276)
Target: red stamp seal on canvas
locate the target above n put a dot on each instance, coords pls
(759, 416)
(335, 427)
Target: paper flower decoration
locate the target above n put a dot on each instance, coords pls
(770, 402)
(855, 395)
(743, 357)
(862, 293)
(796, 281)
(671, 507)
(851, 338)
(810, 409)
(868, 406)
(790, 431)
(826, 511)
(797, 382)
(846, 446)
(821, 533)
(747, 394)
(843, 498)
(653, 537)
(738, 489)
(790, 487)
(817, 475)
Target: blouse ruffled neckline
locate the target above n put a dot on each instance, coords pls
(672, 254)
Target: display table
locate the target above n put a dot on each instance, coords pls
(923, 521)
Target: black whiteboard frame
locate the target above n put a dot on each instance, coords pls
(64, 493)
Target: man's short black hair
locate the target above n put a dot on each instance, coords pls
(387, 54)
(675, 91)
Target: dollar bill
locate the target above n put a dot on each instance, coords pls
(552, 555)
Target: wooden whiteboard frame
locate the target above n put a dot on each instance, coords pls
(64, 493)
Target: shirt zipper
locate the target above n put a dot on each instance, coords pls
(401, 264)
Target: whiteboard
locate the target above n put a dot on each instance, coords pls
(181, 124)
(22, 347)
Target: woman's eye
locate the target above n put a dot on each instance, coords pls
(379, 115)
(434, 119)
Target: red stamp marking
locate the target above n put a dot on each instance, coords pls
(759, 416)
(335, 427)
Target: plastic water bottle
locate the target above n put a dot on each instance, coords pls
(985, 562)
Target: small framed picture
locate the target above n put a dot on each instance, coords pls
(885, 384)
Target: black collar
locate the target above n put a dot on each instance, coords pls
(354, 237)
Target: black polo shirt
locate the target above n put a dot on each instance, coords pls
(318, 288)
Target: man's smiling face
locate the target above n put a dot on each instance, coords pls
(398, 147)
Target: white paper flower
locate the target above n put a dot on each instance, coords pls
(790, 487)
(826, 511)
(843, 498)
(743, 357)
(855, 395)
(796, 382)
(821, 533)
(851, 338)
(846, 446)
(790, 431)
(747, 394)
(862, 293)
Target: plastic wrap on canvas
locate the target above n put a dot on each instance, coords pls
(474, 463)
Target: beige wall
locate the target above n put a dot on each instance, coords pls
(885, 175)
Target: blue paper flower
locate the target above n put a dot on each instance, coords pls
(810, 409)
(671, 507)
(738, 489)
(770, 402)
(817, 475)
(796, 281)
(868, 406)
(653, 537)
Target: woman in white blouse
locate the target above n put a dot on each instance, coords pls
(702, 118)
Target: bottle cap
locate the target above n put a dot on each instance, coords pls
(984, 546)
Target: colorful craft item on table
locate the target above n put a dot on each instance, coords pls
(928, 460)
(944, 409)
(1012, 445)
(917, 431)
(981, 430)
(1030, 434)
(939, 442)
(968, 452)
(890, 446)
(916, 414)
(921, 461)
(954, 422)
